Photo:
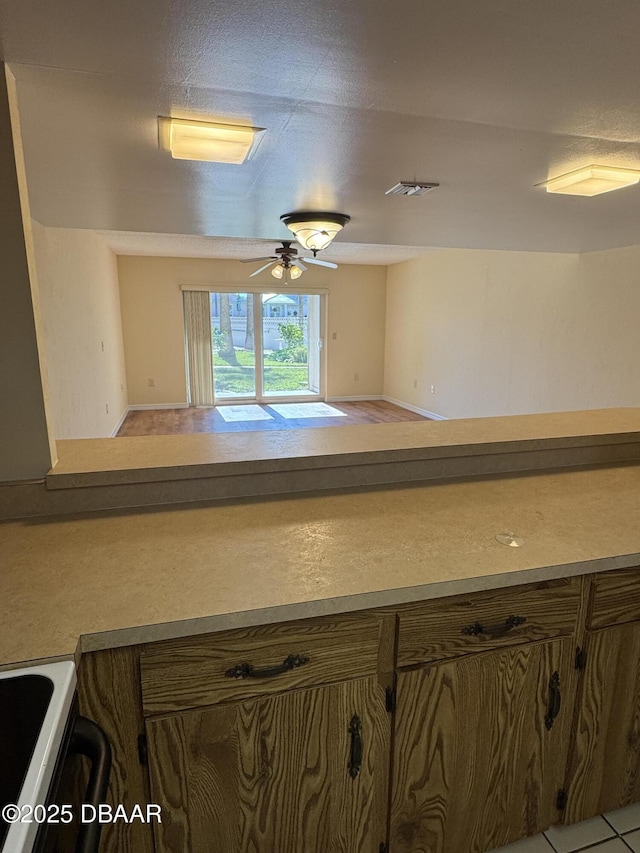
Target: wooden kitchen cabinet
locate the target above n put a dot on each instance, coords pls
(463, 624)
(272, 738)
(304, 770)
(480, 748)
(260, 762)
(605, 767)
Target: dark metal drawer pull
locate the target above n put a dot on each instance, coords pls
(355, 758)
(494, 630)
(247, 670)
(553, 708)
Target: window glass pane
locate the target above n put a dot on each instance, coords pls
(234, 358)
(290, 332)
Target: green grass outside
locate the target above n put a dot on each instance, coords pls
(240, 379)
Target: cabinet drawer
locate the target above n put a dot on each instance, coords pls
(615, 598)
(248, 662)
(448, 627)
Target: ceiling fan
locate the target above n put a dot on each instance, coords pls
(287, 263)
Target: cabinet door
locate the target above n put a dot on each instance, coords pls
(273, 774)
(605, 771)
(476, 764)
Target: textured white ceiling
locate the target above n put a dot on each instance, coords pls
(490, 99)
(237, 248)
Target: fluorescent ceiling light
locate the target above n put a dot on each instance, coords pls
(593, 180)
(215, 143)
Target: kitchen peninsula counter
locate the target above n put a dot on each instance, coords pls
(92, 581)
(113, 473)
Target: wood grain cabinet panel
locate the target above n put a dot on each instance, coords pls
(615, 598)
(464, 624)
(475, 764)
(109, 694)
(194, 673)
(491, 719)
(272, 774)
(605, 771)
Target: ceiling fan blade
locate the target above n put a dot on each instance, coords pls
(321, 263)
(261, 269)
(299, 264)
(264, 258)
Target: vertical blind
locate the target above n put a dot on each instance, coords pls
(197, 333)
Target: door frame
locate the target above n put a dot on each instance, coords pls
(261, 399)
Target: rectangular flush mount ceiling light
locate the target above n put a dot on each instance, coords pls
(216, 143)
(593, 180)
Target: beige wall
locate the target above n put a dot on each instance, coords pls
(27, 448)
(80, 306)
(152, 323)
(502, 333)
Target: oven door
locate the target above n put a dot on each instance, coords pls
(81, 835)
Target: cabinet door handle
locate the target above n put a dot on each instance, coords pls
(247, 670)
(494, 630)
(553, 706)
(355, 757)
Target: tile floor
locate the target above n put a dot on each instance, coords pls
(615, 832)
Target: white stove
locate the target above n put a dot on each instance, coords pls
(35, 707)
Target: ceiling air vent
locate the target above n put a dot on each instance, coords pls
(411, 188)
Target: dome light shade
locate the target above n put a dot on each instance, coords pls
(315, 230)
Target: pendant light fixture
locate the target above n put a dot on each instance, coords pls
(315, 230)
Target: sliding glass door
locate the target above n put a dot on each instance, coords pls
(266, 346)
(290, 345)
(232, 338)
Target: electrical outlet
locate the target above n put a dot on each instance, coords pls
(106, 405)
(356, 376)
(334, 336)
(152, 383)
(102, 345)
(433, 389)
(415, 383)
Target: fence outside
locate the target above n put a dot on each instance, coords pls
(272, 339)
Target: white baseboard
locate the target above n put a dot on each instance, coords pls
(354, 399)
(426, 414)
(143, 406)
(114, 431)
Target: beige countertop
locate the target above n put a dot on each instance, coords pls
(115, 473)
(130, 459)
(134, 576)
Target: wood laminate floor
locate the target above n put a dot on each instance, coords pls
(178, 421)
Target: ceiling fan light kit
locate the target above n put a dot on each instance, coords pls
(288, 265)
(291, 272)
(315, 230)
(593, 180)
